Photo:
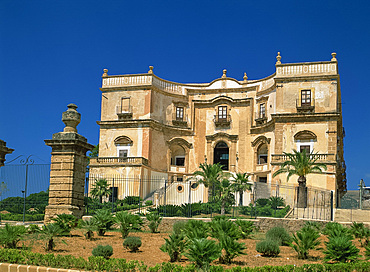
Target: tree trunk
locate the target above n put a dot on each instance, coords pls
(241, 198)
(302, 192)
(223, 208)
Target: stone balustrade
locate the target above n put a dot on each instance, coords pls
(280, 158)
(119, 160)
(142, 80)
(306, 69)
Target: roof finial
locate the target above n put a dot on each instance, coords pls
(245, 77)
(105, 72)
(224, 73)
(150, 70)
(278, 58)
(334, 56)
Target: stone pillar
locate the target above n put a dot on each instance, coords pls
(68, 168)
(3, 151)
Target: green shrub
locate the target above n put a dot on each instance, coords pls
(262, 201)
(19, 217)
(11, 235)
(103, 251)
(174, 246)
(103, 221)
(280, 235)
(314, 225)
(179, 227)
(65, 222)
(132, 200)
(128, 222)
(196, 229)
(133, 243)
(276, 201)
(49, 232)
(148, 203)
(154, 221)
(268, 248)
(202, 252)
(31, 229)
(246, 228)
(340, 249)
(304, 240)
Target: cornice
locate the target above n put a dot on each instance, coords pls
(306, 78)
(303, 117)
(221, 98)
(144, 123)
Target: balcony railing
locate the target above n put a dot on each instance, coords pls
(180, 122)
(222, 120)
(280, 158)
(120, 160)
(124, 112)
(261, 117)
(305, 107)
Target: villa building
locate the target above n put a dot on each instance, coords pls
(152, 127)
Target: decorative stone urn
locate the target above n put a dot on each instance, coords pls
(71, 118)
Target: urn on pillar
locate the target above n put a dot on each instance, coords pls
(68, 168)
(4, 150)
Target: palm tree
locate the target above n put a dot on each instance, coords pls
(301, 164)
(211, 176)
(241, 184)
(225, 194)
(100, 189)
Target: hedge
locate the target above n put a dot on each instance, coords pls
(17, 256)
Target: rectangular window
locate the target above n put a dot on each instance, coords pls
(306, 98)
(262, 110)
(262, 179)
(179, 161)
(305, 147)
(262, 159)
(123, 153)
(179, 113)
(222, 112)
(125, 104)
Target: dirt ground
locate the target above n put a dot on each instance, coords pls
(150, 253)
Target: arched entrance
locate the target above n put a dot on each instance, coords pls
(221, 155)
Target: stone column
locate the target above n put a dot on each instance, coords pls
(3, 151)
(68, 168)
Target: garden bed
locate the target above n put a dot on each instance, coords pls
(151, 255)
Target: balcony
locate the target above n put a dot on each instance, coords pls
(222, 120)
(124, 113)
(305, 107)
(261, 118)
(177, 168)
(322, 158)
(129, 161)
(179, 122)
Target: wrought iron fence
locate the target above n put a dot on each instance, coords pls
(192, 199)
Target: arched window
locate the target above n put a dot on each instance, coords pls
(305, 140)
(262, 153)
(221, 155)
(177, 155)
(123, 144)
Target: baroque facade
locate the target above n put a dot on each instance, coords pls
(154, 127)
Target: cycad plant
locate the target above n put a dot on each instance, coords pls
(128, 222)
(89, 226)
(301, 164)
(65, 222)
(202, 252)
(305, 240)
(361, 232)
(196, 229)
(11, 235)
(174, 246)
(49, 232)
(340, 249)
(246, 228)
(154, 220)
(103, 220)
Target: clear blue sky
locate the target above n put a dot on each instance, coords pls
(53, 53)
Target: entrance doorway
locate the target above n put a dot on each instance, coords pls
(221, 155)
